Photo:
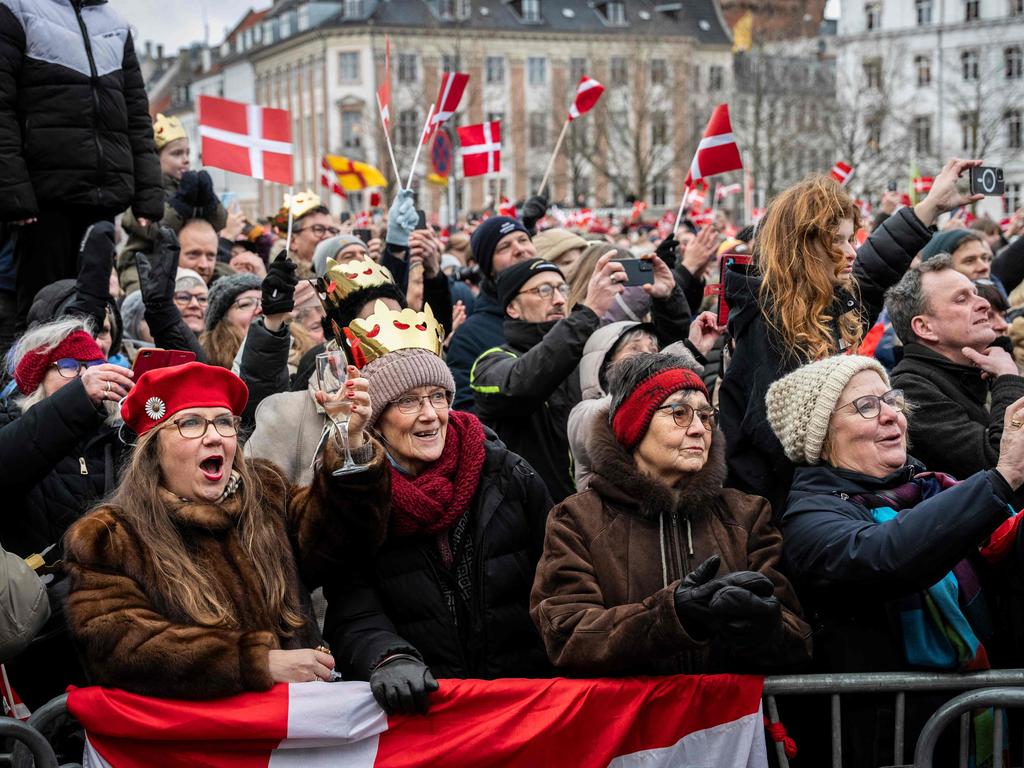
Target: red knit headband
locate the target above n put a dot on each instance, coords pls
(633, 417)
(32, 368)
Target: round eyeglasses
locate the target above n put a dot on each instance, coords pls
(869, 406)
(683, 414)
(69, 368)
(192, 427)
(412, 404)
(547, 290)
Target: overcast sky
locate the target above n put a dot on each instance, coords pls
(176, 23)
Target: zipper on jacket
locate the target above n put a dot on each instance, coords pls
(94, 83)
(82, 469)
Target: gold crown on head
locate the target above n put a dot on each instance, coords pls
(347, 277)
(301, 204)
(387, 330)
(167, 129)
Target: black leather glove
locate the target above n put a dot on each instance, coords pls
(206, 198)
(533, 211)
(96, 260)
(706, 604)
(186, 199)
(279, 285)
(758, 623)
(158, 271)
(668, 250)
(403, 685)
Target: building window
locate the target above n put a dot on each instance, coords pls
(351, 129)
(450, 63)
(407, 67)
(1012, 199)
(348, 67)
(455, 9)
(659, 129)
(619, 70)
(577, 69)
(873, 15)
(695, 77)
(972, 10)
(968, 131)
(538, 130)
(873, 72)
(924, 12)
(923, 65)
(537, 70)
(1013, 129)
(495, 67)
(923, 135)
(659, 193)
(408, 128)
(531, 10)
(1016, 9)
(1013, 60)
(353, 9)
(659, 71)
(969, 65)
(873, 128)
(615, 12)
(715, 78)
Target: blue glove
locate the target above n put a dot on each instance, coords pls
(402, 218)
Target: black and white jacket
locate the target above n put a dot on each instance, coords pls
(74, 119)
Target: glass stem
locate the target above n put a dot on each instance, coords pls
(343, 429)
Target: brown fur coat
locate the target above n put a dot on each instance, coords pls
(133, 640)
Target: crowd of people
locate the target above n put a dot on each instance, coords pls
(484, 452)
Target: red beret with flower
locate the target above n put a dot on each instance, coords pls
(163, 392)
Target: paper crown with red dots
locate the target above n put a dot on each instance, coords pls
(388, 330)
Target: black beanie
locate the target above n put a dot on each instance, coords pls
(485, 239)
(511, 280)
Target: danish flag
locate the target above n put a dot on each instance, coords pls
(384, 92)
(842, 173)
(588, 91)
(717, 151)
(923, 183)
(481, 148)
(246, 139)
(329, 179)
(452, 86)
(726, 190)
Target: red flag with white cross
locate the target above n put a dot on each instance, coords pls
(842, 172)
(588, 91)
(481, 148)
(246, 139)
(717, 151)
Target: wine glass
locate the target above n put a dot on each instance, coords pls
(331, 375)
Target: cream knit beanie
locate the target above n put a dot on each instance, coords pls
(800, 404)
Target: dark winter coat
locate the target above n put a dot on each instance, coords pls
(58, 459)
(264, 365)
(846, 566)
(604, 594)
(526, 388)
(395, 604)
(482, 330)
(955, 430)
(754, 455)
(133, 639)
(74, 118)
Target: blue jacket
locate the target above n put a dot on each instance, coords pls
(482, 330)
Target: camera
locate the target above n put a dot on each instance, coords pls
(987, 180)
(470, 274)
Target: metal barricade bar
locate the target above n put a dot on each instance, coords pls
(960, 707)
(31, 739)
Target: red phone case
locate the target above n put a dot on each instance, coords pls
(151, 359)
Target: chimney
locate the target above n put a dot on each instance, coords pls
(149, 49)
(207, 59)
(159, 51)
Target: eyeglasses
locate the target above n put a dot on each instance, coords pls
(319, 230)
(682, 414)
(412, 404)
(69, 368)
(246, 304)
(185, 298)
(547, 290)
(869, 406)
(192, 427)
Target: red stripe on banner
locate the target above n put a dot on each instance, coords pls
(222, 113)
(277, 126)
(277, 167)
(230, 157)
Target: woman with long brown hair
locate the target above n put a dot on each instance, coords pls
(809, 294)
(183, 584)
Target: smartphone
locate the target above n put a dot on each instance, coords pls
(421, 222)
(362, 234)
(987, 180)
(891, 186)
(227, 198)
(151, 359)
(728, 259)
(638, 271)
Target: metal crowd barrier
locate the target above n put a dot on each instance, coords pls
(899, 684)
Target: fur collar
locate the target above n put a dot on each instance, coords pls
(215, 516)
(622, 485)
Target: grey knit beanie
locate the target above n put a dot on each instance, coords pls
(328, 249)
(395, 373)
(800, 404)
(223, 293)
(132, 313)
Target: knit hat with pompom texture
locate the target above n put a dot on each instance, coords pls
(800, 404)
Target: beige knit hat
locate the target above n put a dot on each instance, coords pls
(800, 404)
(392, 375)
(552, 243)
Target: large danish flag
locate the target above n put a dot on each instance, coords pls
(588, 91)
(246, 139)
(481, 148)
(717, 151)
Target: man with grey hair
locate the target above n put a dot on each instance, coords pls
(958, 382)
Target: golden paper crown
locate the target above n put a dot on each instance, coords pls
(387, 330)
(300, 204)
(167, 129)
(347, 277)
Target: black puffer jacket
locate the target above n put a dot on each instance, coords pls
(74, 117)
(756, 462)
(396, 605)
(58, 459)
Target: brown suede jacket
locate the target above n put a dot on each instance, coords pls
(132, 639)
(603, 597)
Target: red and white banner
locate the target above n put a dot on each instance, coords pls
(384, 92)
(842, 172)
(481, 148)
(717, 151)
(588, 91)
(651, 722)
(923, 183)
(246, 139)
(329, 179)
(726, 190)
(452, 86)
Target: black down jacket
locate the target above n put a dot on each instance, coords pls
(58, 459)
(396, 604)
(74, 118)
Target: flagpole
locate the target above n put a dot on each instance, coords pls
(387, 138)
(419, 147)
(554, 154)
(291, 205)
(682, 206)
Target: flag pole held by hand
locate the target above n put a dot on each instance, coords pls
(423, 136)
(387, 138)
(291, 201)
(554, 154)
(682, 206)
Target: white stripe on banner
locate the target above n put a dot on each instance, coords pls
(707, 143)
(91, 758)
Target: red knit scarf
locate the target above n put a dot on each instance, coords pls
(433, 501)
